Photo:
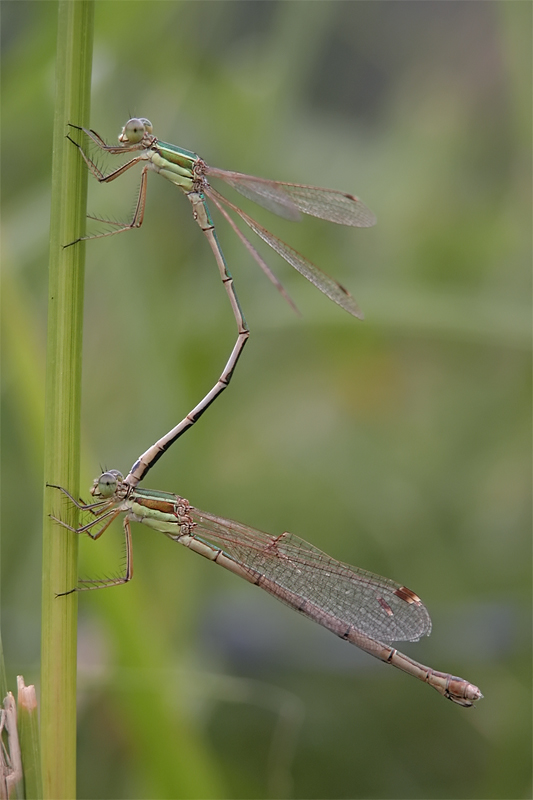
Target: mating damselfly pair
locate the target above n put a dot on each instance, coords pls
(365, 609)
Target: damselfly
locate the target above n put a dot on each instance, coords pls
(365, 609)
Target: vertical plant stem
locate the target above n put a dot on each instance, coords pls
(63, 401)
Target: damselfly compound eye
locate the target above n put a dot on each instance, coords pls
(148, 127)
(107, 483)
(134, 130)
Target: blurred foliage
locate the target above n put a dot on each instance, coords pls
(401, 444)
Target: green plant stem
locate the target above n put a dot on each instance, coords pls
(63, 401)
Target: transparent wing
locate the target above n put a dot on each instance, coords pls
(327, 285)
(287, 199)
(376, 606)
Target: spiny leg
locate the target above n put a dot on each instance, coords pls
(100, 176)
(138, 214)
(114, 149)
(80, 503)
(107, 515)
(102, 583)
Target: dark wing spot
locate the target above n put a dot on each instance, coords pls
(406, 594)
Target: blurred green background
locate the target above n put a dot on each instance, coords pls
(401, 444)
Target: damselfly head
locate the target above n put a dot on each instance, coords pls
(106, 484)
(134, 130)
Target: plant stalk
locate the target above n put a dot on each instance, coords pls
(63, 401)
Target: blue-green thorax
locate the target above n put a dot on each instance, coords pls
(175, 164)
